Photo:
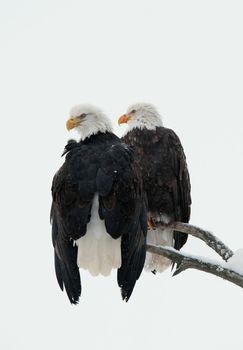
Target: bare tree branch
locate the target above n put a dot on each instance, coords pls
(212, 241)
(185, 262)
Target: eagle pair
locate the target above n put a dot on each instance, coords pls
(110, 190)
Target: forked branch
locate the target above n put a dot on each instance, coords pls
(185, 261)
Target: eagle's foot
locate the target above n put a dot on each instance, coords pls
(150, 223)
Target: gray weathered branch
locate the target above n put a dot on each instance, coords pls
(212, 241)
(185, 262)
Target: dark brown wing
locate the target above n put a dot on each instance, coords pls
(69, 217)
(73, 189)
(181, 187)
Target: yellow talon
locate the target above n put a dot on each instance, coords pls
(150, 223)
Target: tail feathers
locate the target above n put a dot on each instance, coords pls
(158, 237)
(99, 255)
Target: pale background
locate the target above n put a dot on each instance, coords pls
(186, 57)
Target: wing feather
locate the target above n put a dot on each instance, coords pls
(182, 188)
(70, 214)
(124, 209)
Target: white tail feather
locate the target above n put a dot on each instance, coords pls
(98, 252)
(159, 237)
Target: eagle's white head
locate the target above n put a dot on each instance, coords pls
(141, 116)
(88, 120)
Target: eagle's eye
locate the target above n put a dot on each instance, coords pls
(133, 111)
(82, 115)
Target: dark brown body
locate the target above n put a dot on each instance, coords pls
(160, 156)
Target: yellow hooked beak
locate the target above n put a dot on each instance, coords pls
(123, 119)
(71, 123)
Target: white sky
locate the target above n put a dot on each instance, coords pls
(186, 58)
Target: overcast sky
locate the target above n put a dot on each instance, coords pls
(186, 58)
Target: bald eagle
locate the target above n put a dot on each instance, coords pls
(98, 212)
(162, 161)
